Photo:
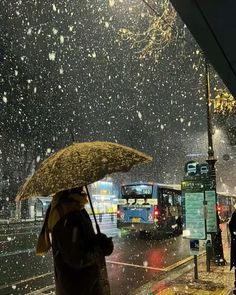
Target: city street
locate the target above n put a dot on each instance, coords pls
(126, 109)
(134, 262)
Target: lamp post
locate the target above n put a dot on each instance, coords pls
(216, 238)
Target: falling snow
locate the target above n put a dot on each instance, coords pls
(67, 75)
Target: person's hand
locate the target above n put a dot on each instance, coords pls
(105, 243)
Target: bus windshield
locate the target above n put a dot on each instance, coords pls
(136, 191)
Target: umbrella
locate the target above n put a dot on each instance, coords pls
(79, 165)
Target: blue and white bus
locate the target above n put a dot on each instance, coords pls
(150, 207)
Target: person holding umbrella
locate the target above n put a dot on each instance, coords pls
(232, 229)
(79, 253)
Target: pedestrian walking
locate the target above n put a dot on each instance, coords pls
(78, 253)
(232, 229)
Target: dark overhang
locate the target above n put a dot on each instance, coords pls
(213, 25)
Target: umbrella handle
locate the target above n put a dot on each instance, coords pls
(91, 205)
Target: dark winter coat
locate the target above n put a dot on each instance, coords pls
(232, 229)
(79, 259)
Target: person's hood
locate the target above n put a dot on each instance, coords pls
(60, 206)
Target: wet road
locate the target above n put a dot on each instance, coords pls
(136, 261)
(133, 263)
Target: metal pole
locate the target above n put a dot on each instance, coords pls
(72, 135)
(91, 205)
(216, 238)
(234, 292)
(195, 267)
(208, 255)
(209, 113)
(18, 211)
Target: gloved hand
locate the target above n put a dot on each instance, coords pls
(105, 243)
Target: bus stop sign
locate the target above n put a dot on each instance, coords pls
(194, 247)
(193, 204)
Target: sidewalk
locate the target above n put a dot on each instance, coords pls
(219, 281)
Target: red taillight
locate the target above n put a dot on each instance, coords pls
(156, 212)
(118, 213)
(219, 208)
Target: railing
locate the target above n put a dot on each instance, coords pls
(10, 222)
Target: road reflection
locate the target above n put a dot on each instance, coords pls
(136, 261)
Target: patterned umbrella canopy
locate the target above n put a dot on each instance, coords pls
(80, 164)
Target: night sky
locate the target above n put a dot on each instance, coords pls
(65, 70)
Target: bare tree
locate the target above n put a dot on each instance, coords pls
(159, 33)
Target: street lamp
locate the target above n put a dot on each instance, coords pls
(216, 238)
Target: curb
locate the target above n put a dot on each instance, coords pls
(179, 282)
